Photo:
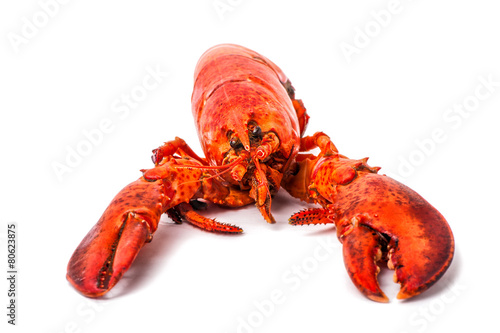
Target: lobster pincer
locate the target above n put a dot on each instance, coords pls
(132, 217)
(377, 219)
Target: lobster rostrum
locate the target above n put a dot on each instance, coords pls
(250, 127)
(377, 220)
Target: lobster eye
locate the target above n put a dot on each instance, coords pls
(235, 143)
(256, 131)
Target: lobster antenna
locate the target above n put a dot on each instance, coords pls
(209, 167)
(225, 166)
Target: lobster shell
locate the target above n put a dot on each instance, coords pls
(233, 86)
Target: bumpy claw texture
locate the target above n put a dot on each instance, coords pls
(131, 219)
(362, 249)
(111, 246)
(377, 218)
(421, 243)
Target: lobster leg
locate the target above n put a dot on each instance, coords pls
(312, 216)
(298, 105)
(186, 211)
(177, 145)
(319, 139)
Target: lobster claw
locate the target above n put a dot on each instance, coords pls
(110, 247)
(396, 225)
(379, 219)
(362, 249)
(132, 217)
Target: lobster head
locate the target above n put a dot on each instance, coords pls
(378, 220)
(244, 109)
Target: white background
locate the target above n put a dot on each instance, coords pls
(65, 77)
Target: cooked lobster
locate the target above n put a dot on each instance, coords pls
(251, 130)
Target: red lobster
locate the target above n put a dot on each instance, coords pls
(250, 126)
(376, 218)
